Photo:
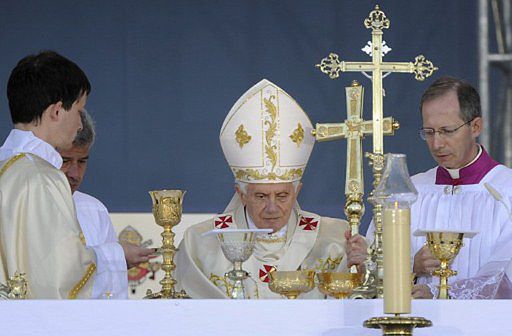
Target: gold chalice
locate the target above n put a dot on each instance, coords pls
(339, 285)
(444, 246)
(167, 210)
(291, 283)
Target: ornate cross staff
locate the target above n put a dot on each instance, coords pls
(422, 68)
(354, 129)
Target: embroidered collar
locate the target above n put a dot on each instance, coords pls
(20, 141)
(470, 174)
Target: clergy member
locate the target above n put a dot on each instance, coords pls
(266, 139)
(94, 218)
(455, 196)
(40, 235)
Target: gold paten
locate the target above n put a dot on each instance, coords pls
(242, 137)
(291, 283)
(339, 285)
(167, 210)
(298, 135)
(444, 246)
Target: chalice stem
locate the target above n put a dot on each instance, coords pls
(168, 265)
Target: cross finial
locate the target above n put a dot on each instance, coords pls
(377, 20)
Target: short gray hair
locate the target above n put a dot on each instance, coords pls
(86, 136)
(243, 186)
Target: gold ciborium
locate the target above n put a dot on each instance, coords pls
(167, 209)
(338, 284)
(444, 246)
(291, 283)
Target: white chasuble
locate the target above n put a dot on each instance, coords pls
(311, 242)
(39, 233)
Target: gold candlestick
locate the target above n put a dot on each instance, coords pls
(167, 210)
(396, 193)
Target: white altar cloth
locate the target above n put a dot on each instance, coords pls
(230, 317)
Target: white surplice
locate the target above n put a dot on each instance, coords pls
(482, 261)
(99, 232)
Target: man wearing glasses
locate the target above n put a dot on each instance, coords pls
(467, 192)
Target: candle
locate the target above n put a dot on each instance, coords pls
(397, 259)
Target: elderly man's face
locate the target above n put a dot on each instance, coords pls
(74, 164)
(269, 204)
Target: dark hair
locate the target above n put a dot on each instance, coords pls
(43, 79)
(469, 99)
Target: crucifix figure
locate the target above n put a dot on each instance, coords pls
(332, 66)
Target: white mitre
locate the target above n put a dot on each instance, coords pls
(266, 136)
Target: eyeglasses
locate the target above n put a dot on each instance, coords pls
(428, 133)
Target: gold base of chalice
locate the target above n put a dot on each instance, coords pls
(397, 325)
(167, 210)
(291, 283)
(338, 284)
(444, 246)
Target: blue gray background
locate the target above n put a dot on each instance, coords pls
(165, 74)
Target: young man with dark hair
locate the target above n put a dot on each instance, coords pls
(39, 232)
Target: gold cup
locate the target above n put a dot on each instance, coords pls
(291, 283)
(167, 210)
(338, 284)
(444, 246)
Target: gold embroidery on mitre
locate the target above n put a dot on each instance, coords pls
(298, 135)
(90, 271)
(329, 264)
(255, 175)
(270, 133)
(242, 137)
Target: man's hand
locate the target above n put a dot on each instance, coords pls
(356, 250)
(135, 254)
(424, 262)
(421, 292)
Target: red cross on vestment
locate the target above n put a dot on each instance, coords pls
(308, 223)
(223, 222)
(265, 271)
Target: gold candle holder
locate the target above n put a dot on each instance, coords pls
(444, 246)
(338, 285)
(396, 193)
(291, 283)
(167, 210)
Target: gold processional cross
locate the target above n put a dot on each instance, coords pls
(353, 129)
(332, 66)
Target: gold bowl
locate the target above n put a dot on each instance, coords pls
(291, 283)
(338, 284)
